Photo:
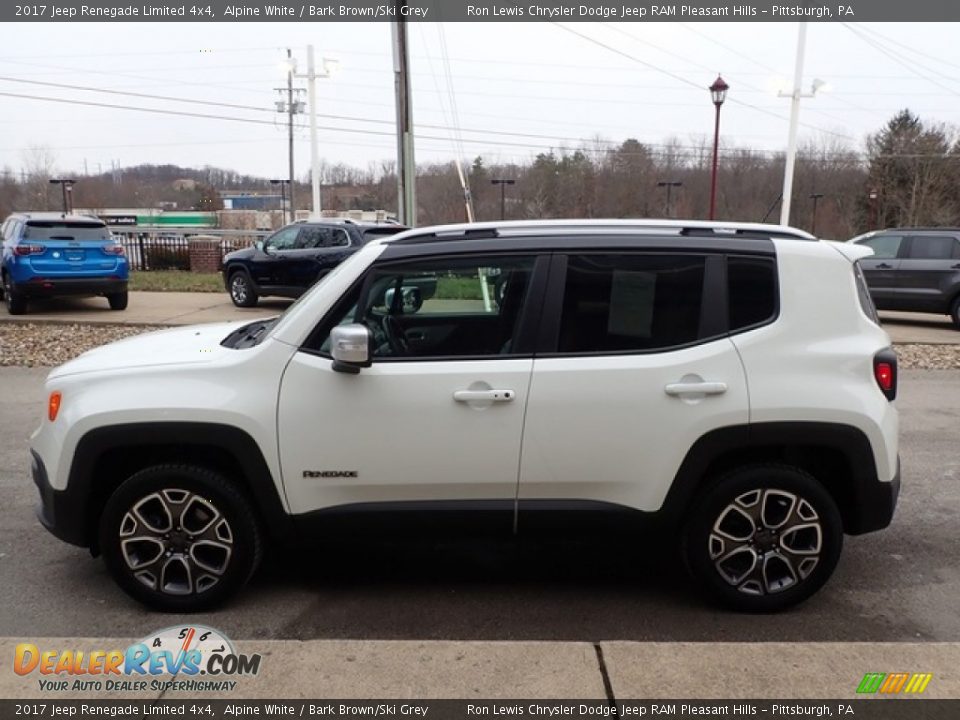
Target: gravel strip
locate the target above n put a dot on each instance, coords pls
(42, 344)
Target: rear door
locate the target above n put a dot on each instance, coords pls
(639, 368)
(881, 270)
(928, 272)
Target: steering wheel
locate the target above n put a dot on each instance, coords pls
(396, 337)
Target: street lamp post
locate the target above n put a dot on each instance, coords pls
(813, 216)
(66, 189)
(283, 196)
(718, 93)
(669, 185)
(502, 183)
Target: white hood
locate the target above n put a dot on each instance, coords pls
(193, 344)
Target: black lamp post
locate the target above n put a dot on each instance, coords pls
(283, 195)
(669, 185)
(813, 216)
(502, 183)
(66, 189)
(718, 93)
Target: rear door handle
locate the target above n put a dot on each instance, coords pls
(484, 395)
(696, 388)
(884, 266)
(955, 267)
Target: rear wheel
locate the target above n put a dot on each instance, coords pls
(763, 538)
(955, 312)
(15, 302)
(179, 538)
(118, 301)
(241, 290)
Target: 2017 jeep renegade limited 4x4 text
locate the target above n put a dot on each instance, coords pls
(727, 381)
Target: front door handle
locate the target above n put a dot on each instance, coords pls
(884, 266)
(696, 388)
(484, 395)
(955, 267)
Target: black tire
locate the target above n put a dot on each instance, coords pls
(180, 497)
(118, 301)
(718, 553)
(15, 302)
(955, 312)
(241, 289)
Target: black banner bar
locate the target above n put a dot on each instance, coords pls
(478, 11)
(872, 709)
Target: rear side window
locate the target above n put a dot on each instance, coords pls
(321, 237)
(52, 230)
(619, 303)
(884, 246)
(863, 292)
(752, 291)
(934, 247)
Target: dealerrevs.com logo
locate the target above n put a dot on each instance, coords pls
(191, 659)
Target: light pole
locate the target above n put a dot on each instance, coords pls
(66, 189)
(283, 196)
(813, 219)
(669, 185)
(874, 197)
(718, 93)
(502, 183)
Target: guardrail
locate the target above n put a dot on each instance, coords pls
(168, 248)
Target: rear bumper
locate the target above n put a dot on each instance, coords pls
(52, 287)
(57, 511)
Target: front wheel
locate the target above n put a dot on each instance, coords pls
(179, 538)
(241, 290)
(763, 538)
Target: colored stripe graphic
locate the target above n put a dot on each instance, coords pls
(894, 683)
(871, 682)
(918, 683)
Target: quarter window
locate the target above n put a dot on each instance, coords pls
(619, 303)
(752, 291)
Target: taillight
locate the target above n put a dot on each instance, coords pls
(885, 372)
(29, 250)
(113, 249)
(53, 405)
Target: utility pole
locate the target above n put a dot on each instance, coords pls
(66, 189)
(330, 67)
(290, 107)
(406, 168)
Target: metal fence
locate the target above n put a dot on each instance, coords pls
(168, 248)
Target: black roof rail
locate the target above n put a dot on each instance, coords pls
(743, 233)
(467, 234)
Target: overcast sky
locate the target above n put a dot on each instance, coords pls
(518, 88)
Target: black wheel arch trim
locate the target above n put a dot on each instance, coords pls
(71, 514)
(866, 503)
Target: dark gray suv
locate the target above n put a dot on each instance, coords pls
(914, 270)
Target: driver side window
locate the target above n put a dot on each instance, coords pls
(284, 239)
(455, 308)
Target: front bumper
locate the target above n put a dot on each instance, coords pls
(58, 512)
(54, 287)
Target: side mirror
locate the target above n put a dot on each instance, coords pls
(411, 300)
(270, 250)
(350, 347)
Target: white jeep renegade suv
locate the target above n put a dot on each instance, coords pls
(729, 381)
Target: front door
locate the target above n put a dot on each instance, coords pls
(438, 417)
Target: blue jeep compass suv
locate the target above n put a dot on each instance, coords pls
(52, 254)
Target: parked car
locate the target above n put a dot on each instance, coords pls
(914, 270)
(53, 254)
(725, 385)
(295, 257)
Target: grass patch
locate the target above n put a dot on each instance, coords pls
(176, 281)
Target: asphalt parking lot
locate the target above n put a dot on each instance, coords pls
(901, 584)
